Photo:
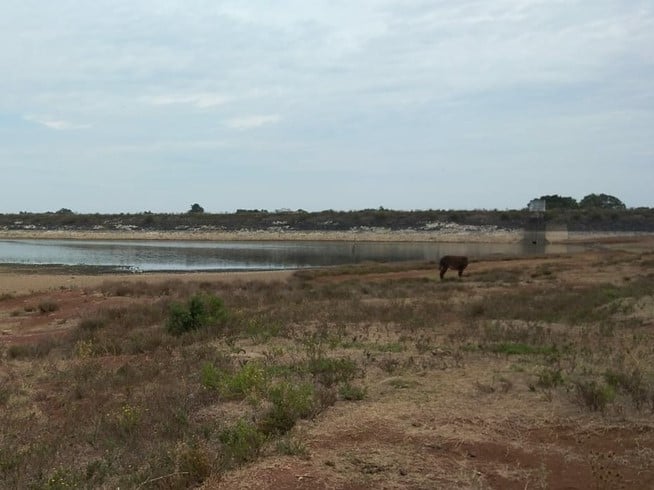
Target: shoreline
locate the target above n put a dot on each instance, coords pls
(480, 235)
(378, 235)
(19, 280)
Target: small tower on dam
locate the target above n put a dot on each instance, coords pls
(535, 225)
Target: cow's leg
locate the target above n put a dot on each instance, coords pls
(443, 271)
(461, 271)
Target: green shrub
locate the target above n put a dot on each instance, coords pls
(250, 379)
(242, 442)
(201, 310)
(37, 350)
(631, 383)
(289, 403)
(329, 371)
(91, 324)
(194, 465)
(210, 376)
(62, 479)
(351, 393)
(594, 396)
(292, 447)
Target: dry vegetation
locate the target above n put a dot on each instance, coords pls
(527, 373)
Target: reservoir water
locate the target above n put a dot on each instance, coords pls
(142, 255)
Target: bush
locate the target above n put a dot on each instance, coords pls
(48, 306)
(351, 393)
(250, 379)
(242, 443)
(595, 396)
(201, 310)
(329, 371)
(631, 383)
(289, 403)
(550, 378)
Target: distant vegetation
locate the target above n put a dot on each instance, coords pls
(589, 202)
(595, 212)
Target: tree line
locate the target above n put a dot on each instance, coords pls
(591, 201)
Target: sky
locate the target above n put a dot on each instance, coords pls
(153, 105)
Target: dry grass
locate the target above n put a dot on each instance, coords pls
(348, 378)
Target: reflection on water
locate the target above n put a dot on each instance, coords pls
(189, 255)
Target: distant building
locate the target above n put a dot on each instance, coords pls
(537, 205)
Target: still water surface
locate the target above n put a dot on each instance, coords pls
(142, 255)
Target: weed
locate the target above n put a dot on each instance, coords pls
(594, 396)
(351, 393)
(290, 446)
(201, 310)
(36, 350)
(499, 276)
(48, 306)
(631, 383)
(5, 394)
(84, 349)
(261, 331)
(391, 347)
(250, 380)
(290, 402)
(389, 364)
(550, 378)
(403, 383)
(127, 419)
(484, 388)
(193, 465)
(210, 376)
(91, 324)
(505, 384)
(330, 371)
(62, 479)
(511, 349)
(241, 443)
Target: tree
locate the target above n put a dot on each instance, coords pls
(602, 201)
(559, 202)
(196, 208)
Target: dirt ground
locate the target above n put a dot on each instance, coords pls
(455, 427)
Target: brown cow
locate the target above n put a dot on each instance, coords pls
(457, 262)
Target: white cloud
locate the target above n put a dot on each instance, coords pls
(57, 124)
(199, 100)
(251, 122)
(376, 84)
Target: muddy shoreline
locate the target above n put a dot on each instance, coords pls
(450, 235)
(21, 279)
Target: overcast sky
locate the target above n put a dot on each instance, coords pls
(128, 106)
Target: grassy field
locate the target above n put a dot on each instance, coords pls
(526, 373)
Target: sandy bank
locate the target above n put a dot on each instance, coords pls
(377, 235)
(17, 283)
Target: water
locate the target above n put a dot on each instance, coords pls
(142, 255)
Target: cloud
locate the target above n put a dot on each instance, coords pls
(382, 86)
(199, 100)
(251, 122)
(57, 124)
